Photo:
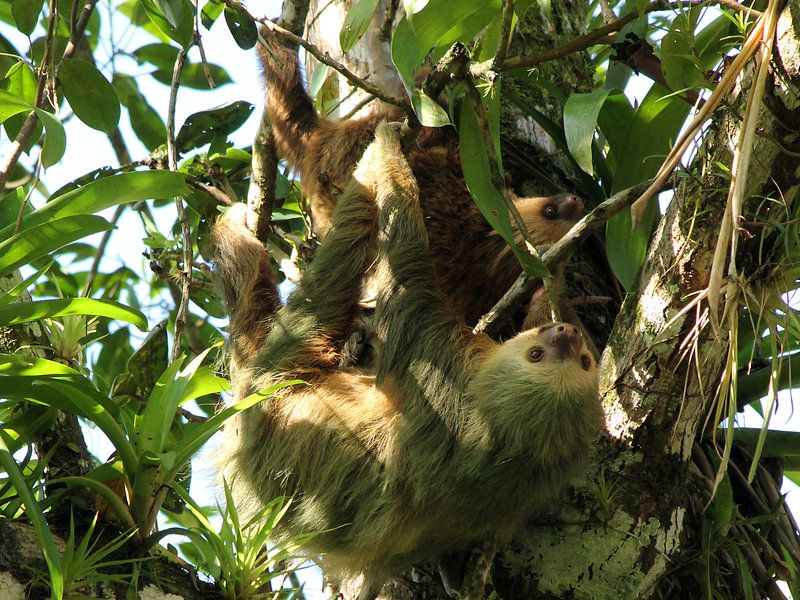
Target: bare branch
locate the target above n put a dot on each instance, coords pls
(186, 232)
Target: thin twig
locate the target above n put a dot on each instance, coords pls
(186, 232)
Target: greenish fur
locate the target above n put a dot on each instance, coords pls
(452, 439)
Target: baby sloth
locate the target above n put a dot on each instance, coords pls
(453, 438)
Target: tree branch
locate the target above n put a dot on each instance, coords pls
(264, 164)
(186, 232)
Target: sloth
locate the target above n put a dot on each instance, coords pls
(473, 265)
(451, 439)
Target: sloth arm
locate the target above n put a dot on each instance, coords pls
(427, 351)
(306, 333)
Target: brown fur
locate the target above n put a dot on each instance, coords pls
(452, 438)
(473, 264)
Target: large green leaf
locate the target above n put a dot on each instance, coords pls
(55, 141)
(493, 206)
(26, 14)
(90, 94)
(29, 366)
(428, 110)
(204, 382)
(638, 154)
(120, 188)
(78, 399)
(11, 105)
(242, 27)
(25, 312)
(175, 18)
(681, 65)
(146, 123)
(204, 126)
(153, 425)
(356, 23)
(580, 119)
(22, 82)
(38, 241)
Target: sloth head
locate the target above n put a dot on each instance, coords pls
(536, 391)
(548, 218)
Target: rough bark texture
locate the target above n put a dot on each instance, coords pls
(656, 392)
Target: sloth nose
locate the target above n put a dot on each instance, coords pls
(575, 204)
(566, 340)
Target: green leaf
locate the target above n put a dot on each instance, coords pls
(22, 82)
(211, 10)
(204, 382)
(78, 399)
(11, 105)
(678, 60)
(428, 110)
(26, 14)
(34, 512)
(90, 94)
(9, 296)
(173, 17)
(174, 10)
(119, 188)
(722, 507)
(637, 155)
(146, 123)
(317, 79)
(782, 444)
(36, 242)
(197, 434)
(202, 127)
(55, 141)
(580, 119)
(356, 23)
(26, 312)
(29, 366)
(491, 203)
(163, 56)
(153, 425)
(242, 27)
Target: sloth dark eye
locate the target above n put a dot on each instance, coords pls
(535, 354)
(551, 211)
(586, 362)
